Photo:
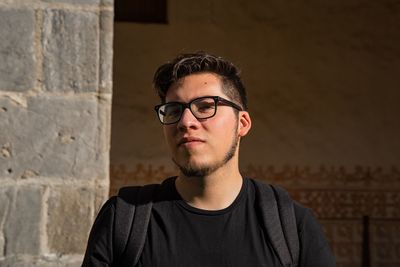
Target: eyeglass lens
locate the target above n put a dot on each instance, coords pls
(201, 108)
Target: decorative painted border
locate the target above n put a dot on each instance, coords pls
(291, 176)
(327, 177)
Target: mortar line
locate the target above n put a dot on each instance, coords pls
(13, 203)
(64, 258)
(43, 238)
(39, 78)
(99, 53)
(77, 7)
(106, 8)
(103, 109)
(3, 221)
(54, 181)
(68, 94)
(104, 106)
(105, 78)
(47, 258)
(59, 6)
(92, 206)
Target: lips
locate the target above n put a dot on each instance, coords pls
(187, 140)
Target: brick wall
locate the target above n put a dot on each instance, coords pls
(55, 100)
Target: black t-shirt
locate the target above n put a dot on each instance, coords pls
(181, 235)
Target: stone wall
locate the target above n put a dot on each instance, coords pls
(323, 88)
(55, 101)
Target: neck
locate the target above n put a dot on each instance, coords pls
(215, 191)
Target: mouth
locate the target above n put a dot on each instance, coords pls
(190, 141)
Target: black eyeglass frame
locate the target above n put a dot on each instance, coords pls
(217, 100)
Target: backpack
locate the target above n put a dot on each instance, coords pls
(133, 213)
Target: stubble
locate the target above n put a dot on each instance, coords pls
(192, 170)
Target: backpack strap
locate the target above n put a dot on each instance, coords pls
(124, 213)
(132, 218)
(288, 221)
(279, 221)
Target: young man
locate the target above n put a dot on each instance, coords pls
(208, 215)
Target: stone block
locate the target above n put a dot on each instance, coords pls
(106, 50)
(70, 50)
(17, 60)
(100, 197)
(84, 2)
(107, 2)
(52, 137)
(24, 261)
(70, 218)
(22, 223)
(2, 245)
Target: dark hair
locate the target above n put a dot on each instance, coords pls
(186, 64)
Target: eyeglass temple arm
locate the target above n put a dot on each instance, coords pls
(230, 104)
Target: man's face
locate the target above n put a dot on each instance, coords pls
(200, 146)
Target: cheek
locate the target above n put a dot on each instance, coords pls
(168, 134)
(226, 124)
(223, 131)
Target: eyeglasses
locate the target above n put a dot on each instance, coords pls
(202, 108)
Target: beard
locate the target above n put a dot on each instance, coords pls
(192, 170)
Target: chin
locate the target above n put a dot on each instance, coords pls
(201, 164)
(194, 168)
(193, 164)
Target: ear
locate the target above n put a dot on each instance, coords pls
(244, 124)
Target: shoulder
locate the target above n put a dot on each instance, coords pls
(316, 250)
(307, 222)
(108, 207)
(144, 193)
(303, 215)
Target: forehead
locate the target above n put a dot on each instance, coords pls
(195, 85)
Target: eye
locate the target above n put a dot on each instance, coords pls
(172, 110)
(205, 106)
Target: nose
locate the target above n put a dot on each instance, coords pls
(188, 120)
